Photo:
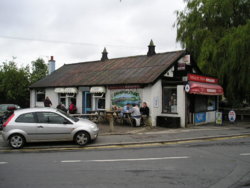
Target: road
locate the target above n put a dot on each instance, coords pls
(218, 163)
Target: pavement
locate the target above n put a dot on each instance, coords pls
(125, 135)
(134, 135)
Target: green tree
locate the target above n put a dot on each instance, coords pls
(217, 34)
(14, 84)
(39, 70)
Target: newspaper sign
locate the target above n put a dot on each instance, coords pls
(219, 118)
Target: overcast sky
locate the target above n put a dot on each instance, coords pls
(78, 30)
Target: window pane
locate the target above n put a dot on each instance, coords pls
(26, 118)
(169, 100)
(101, 103)
(51, 118)
(40, 95)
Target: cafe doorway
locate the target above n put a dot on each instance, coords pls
(86, 102)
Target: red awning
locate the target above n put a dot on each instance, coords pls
(204, 88)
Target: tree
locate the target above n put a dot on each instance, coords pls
(217, 34)
(39, 70)
(14, 84)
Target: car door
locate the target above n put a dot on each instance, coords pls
(52, 126)
(27, 123)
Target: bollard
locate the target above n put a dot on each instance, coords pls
(111, 122)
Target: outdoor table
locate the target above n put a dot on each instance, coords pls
(93, 117)
(127, 116)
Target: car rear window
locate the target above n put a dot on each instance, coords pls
(26, 118)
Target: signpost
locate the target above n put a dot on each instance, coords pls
(232, 116)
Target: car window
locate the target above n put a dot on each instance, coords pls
(26, 118)
(50, 118)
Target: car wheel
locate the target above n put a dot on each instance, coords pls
(82, 138)
(16, 141)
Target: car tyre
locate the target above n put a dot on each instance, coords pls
(82, 138)
(16, 141)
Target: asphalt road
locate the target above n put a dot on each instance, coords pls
(220, 163)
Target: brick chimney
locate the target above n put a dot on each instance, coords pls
(151, 49)
(104, 55)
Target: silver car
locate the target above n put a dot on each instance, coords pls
(46, 124)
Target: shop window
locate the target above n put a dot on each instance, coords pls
(40, 95)
(204, 103)
(99, 99)
(65, 98)
(211, 103)
(169, 100)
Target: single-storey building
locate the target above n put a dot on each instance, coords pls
(171, 83)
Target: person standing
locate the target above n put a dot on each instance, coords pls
(47, 102)
(72, 107)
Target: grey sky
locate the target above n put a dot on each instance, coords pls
(78, 30)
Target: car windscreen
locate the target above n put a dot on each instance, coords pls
(68, 116)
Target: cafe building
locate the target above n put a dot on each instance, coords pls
(171, 83)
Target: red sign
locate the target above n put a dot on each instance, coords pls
(124, 87)
(204, 79)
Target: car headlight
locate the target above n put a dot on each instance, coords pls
(93, 126)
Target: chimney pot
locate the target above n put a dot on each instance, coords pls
(104, 55)
(151, 48)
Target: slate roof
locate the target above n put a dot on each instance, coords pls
(128, 70)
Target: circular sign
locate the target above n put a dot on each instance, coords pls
(232, 116)
(187, 88)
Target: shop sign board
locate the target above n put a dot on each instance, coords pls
(204, 79)
(219, 118)
(121, 98)
(232, 116)
(200, 117)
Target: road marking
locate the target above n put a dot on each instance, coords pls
(245, 154)
(124, 160)
(71, 161)
(2, 163)
(138, 159)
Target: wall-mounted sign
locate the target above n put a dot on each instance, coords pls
(121, 98)
(232, 116)
(187, 88)
(156, 102)
(199, 78)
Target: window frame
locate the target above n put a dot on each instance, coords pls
(174, 100)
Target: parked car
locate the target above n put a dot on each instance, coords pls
(5, 111)
(46, 124)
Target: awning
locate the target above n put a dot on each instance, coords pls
(66, 90)
(59, 90)
(70, 90)
(203, 88)
(97, 89)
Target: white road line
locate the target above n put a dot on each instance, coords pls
(72, 161)
(139, 159)
(123, 160)
(2, 163)
(245, 154)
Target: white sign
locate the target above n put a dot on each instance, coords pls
(232, 116)
(187, 88)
